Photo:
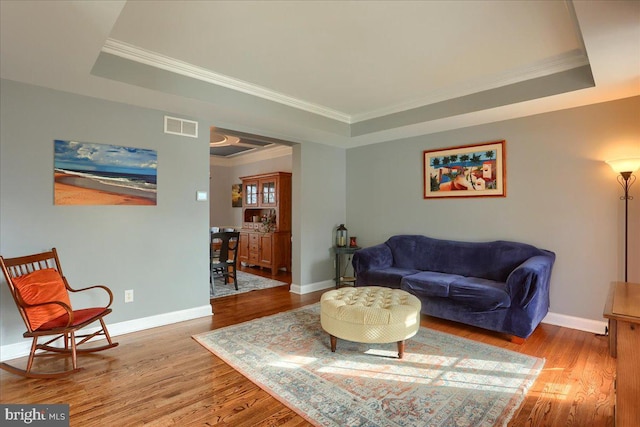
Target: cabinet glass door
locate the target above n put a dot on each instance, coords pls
(268, 193)
(251, 194)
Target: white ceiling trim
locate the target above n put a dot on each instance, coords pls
(563, 62)
(143, 56)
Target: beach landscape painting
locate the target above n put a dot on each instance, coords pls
(476, 170)
(104, 174)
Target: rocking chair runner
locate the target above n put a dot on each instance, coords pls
(41, 294)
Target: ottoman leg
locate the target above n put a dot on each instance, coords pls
(334, 341)
(400, 349)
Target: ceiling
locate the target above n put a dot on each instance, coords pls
(345, 73)
(229, 144)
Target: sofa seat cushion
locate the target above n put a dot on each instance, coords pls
(474, 292)
(389, 277)
(481, 294)
(429, 283)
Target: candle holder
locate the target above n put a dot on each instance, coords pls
(341, 236)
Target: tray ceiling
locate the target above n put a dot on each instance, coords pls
(340, 72)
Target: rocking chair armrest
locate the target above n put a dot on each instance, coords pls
(106, 289)
(68, 309)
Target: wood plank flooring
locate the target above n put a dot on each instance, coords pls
(162, 377)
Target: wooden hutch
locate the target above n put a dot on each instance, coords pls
(265, 237)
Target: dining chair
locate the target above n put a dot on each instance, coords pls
(224, 259)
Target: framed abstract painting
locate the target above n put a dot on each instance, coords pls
(477, 170)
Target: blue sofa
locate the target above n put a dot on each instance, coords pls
(501, 286)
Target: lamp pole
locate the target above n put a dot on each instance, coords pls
(626, 179)
(625, 168)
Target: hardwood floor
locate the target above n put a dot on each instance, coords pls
(163, 377)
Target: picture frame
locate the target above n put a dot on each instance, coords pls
(236, 195)
(87, 173)
(475, 170)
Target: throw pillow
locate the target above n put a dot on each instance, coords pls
(42, 286)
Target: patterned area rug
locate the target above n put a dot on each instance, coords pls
(443, 380)
(246, 282)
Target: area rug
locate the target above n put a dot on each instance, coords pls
(443, 380)
(246, 283)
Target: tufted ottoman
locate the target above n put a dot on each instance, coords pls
(370, 315)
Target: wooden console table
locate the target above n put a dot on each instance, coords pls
(623, 311)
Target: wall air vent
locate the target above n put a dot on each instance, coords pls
(176, 126)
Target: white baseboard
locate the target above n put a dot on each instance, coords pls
(557, 319)
(312, 287)
(21, 349)
(564, 320)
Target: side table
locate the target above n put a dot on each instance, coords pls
(623, 311)
(340, 251)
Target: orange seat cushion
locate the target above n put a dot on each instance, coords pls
(40, 286)
(79, 317)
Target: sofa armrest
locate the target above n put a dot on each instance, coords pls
(530, 280)
(372, 258)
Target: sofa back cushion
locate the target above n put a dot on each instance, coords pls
(488, 260)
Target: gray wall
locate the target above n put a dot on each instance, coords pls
(158, 251)
(561, 196)
(319, 199)
(221, 212)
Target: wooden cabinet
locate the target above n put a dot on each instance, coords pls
(623, 311)
(243, 248)
(265, 249)
(267, 198)
(265, 238)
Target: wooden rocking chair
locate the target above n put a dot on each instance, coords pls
(41, 294)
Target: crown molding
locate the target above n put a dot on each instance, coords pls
(562, 62)
(147, 57)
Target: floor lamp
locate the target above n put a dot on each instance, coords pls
(625, 167)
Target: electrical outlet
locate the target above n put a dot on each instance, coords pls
(128, 295)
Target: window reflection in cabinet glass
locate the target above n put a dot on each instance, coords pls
(269, 193)
(252, 194)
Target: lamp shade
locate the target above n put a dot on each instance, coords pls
(624, 165)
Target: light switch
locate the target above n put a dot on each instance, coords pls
(201, 196)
